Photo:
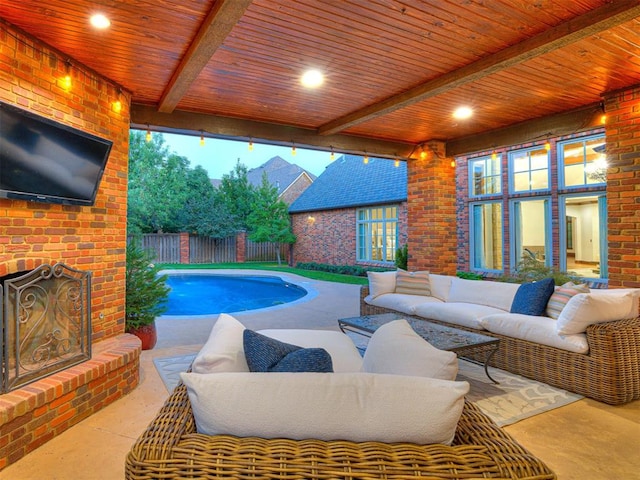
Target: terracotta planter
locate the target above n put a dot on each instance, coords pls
(147, 334)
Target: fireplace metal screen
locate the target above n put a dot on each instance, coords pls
(46, 319)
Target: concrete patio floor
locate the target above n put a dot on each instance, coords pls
(583, 440)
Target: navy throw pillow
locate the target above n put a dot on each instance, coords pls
(266, 354)
(531, 298)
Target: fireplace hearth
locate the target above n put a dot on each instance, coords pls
(46, 319)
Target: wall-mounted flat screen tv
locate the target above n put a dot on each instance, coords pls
(45, 161)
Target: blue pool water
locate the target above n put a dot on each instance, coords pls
(203, 294)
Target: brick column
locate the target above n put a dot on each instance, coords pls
(431, 198)
(241, 246)
(185, 252)
(623, 186)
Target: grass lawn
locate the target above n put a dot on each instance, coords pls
(313, 274)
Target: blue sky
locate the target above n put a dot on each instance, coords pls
(219, 156)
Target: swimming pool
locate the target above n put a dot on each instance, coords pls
(204, 294)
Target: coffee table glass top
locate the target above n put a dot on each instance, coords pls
(440, 336)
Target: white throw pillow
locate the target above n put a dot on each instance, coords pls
(327, 406)
(395, 348)
(223, 351)
(440, 285)
(381, 283)
(586, 309)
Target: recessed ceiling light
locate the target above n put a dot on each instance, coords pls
(462, 113)
(100, 21)
(312, 79)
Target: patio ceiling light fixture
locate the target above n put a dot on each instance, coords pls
(462, 113)
(312, 78)
(99, 21)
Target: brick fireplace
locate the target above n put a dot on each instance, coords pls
(88, 238)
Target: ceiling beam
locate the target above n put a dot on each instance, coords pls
(566, 123)
(591, 23)
(224, 15)
(189, 123)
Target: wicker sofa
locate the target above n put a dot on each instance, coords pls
(170, 448)
(609, 372)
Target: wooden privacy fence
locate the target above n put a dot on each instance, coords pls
(186, 248)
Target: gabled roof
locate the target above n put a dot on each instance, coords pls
(280, 173)
(349, 182)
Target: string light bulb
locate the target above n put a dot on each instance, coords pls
(396, 163)
(603, 119)
(148, 135)
(453, 164)
(66, 81)
(547, 146)
(332, 155)
(201, 139)
(250, 145)
(117, 106)
(365, 158)
(293, 150)
(494, 155)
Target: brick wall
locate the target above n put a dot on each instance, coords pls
(431, 191)
(294, 190)
(330, 236)
(87, 238)
(623, 186)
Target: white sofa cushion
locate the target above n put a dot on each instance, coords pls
(400, 302)
(413, 283)
(535, 329)
(327, 406)
(223, 351)
(381, 283)
(440, 285)
(483, 292)
(586, 309)
(395, 348)
(464, 314)
(344, 354)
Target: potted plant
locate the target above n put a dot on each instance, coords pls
(146, 296)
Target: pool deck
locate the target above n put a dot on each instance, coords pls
(585, 439)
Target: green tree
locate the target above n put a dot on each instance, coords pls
(269, 217)
(236, 194)
(157, 185)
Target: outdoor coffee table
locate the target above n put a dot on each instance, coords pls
(451, 339)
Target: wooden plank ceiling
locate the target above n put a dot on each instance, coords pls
(395, 70)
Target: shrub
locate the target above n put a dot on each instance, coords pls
(402, 257)
(354, 270)
(531, 270)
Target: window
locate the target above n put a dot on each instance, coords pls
(486, 236)
(582, 162)
(485, 176)
(377, 234)
(531, 231)
(529, 170)
(583, 235)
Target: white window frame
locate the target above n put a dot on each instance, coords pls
(488, 175)
(472, 236)
(368, 224)
(603, 246)
(514, 225)
(561, 172)
(512, 155)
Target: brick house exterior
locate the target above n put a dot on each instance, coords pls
(290, 179)
(324, 217)
(435, 212)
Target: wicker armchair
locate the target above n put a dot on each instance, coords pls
(170, 448)
(609, 373)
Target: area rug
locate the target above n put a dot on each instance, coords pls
(513, 399)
